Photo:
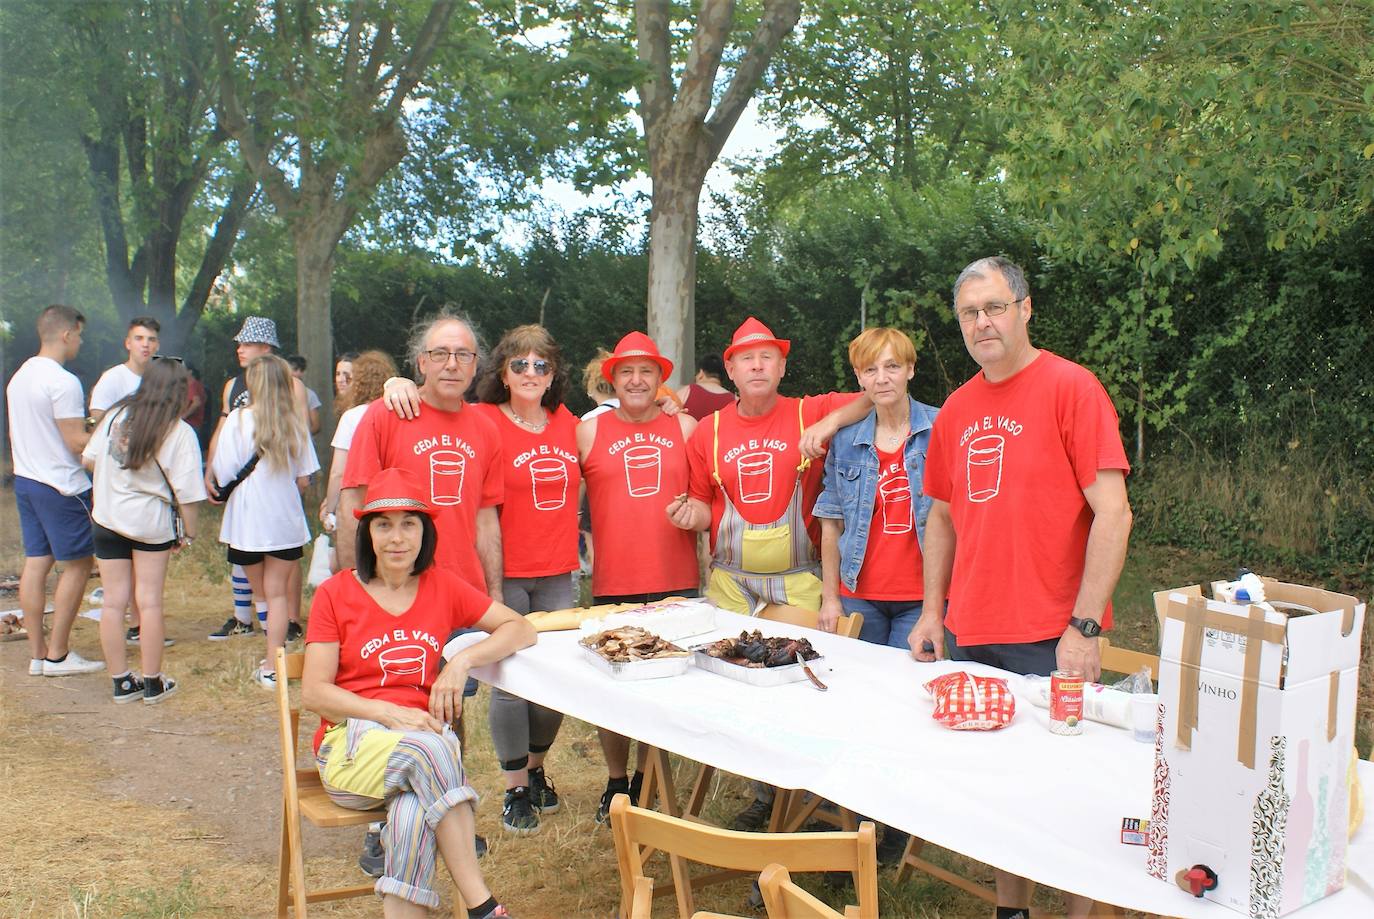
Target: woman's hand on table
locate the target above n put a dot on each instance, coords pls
(446, 695)
(404, 718)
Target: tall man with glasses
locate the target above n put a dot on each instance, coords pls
(454, 450)
(1029, 523)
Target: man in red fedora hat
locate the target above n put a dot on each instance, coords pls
(753, 485)
(634, 460)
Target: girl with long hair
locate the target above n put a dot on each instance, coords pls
(145, 463)
(264, 447)
(367, 374)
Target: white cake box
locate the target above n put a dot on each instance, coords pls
(1256, 726)
(672, 619)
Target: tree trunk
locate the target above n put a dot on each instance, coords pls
(672, 274)
(314, 322)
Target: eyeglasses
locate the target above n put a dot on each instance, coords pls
(969, 314)
(442, 355)
(520, 365)
(169, 357)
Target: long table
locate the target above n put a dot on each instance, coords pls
(1040, 805)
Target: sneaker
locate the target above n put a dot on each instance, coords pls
(131, 638)
(157, 688)
(518, 815)
(542, 793)
(613, 787)
(498, 912)
(294, 632)
(73, 663)
(127, 688)
(36, 666)
(753, 818)
(264, 679)
(636, 787)
(373, 859)
(231, 628)
(892, 846)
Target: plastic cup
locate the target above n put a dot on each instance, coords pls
(1144, 712)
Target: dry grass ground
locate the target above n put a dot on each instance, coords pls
(172, 811)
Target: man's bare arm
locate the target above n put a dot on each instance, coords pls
(1102, 562)
(814, 438)
(489, 550)
(74, 434)
(937, 563)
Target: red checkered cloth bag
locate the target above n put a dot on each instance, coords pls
(971, 703)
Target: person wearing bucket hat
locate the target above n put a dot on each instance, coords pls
(387, 700)
(634, 460)
(753, 485)
(256, 337)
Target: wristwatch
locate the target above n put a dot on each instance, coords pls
(1090, 628)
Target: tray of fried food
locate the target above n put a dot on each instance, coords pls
(631, 653)
(757, 659)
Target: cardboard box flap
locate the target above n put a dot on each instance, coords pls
(1318, 645)
(1323, 601)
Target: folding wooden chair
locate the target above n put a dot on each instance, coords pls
(785, 900)
(1123, 660)
(639, 832)
(303, 794)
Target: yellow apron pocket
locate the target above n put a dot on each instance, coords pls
(364, 773)
(767, 550)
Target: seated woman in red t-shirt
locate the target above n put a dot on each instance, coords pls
(372, 671)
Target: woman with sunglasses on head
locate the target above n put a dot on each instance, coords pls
(145, 463)
(264, 447)
(520, 388)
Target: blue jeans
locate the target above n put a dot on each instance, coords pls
(886, 622)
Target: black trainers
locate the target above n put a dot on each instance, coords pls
(157, 688)
(542, 793)
(373, 859)
(127, 688)
(294, 631)
(613, 787)
(131, 638)
(231, 629)
(754, 817)
(518, 815)
(636, 787)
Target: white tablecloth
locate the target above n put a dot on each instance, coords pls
(1022, 799)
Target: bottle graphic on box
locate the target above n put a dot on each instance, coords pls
(1268, 824)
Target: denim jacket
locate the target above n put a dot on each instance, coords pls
(851, 483)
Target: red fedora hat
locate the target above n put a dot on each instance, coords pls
(753, 333)
(635, 345)
(394, 490)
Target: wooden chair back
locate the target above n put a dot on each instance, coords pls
(785, 900)
(848, 626)
(303, 795)
(1123, 660)
(636, 830)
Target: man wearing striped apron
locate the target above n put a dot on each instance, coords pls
(752, 483)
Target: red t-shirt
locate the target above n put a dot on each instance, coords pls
(456, 455)
(892, 557)
(764, 449)
(539, 515)
(1012, 459)
(393, 658)
(633, 472)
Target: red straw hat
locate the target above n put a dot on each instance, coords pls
(754, 333)
(394, 490)
(636, 344)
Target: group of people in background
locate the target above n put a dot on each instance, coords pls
(992, 528)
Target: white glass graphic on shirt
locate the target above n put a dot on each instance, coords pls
(446, 476)
(985, 467)
(643, 468)
(403, 661)
(549, 483)
(895, 495)
(755, 473)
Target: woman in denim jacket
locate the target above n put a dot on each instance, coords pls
(872, 511)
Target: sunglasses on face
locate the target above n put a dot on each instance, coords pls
(521, 365)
